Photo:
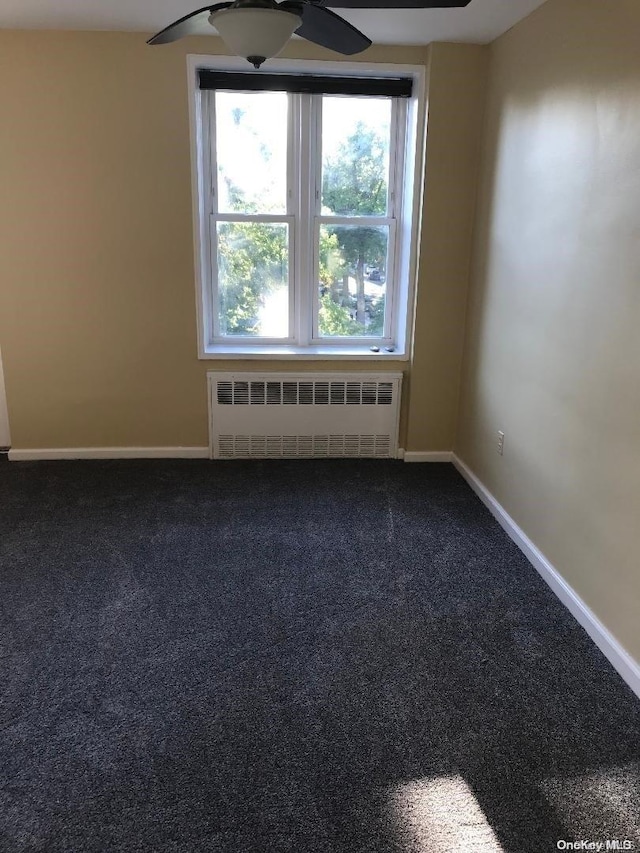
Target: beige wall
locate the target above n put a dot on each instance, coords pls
(97, 304)
(553, 347)
(457, 75)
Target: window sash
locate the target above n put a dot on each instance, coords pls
(396, 138)
(211, 157)
(368, 221)
(267, 219)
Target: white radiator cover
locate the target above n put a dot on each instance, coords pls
(286, 415)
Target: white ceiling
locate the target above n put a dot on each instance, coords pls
(481, 21)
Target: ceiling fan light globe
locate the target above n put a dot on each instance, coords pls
(255, 32)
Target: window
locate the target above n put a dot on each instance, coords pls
(306, 210)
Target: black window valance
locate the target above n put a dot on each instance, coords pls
(315, 84)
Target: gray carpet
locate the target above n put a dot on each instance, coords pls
(314, 657)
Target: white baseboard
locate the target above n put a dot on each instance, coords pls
(27, 455)
(618, 656)
(427, 456)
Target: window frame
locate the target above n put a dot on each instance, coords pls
(304, 215)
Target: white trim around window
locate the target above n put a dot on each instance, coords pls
(403, 220)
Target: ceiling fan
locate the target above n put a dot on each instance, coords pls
(259, 29)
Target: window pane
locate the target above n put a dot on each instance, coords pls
(352, 287)
(355, 156)
(253, 279)
(251, 148)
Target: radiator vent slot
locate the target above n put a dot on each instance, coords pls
(275, 416)
(284, 446)
(320, 393)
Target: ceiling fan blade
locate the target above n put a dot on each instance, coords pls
(323, 27)
(395, 4)
(194, 24)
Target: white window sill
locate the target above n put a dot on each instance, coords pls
(293, 353)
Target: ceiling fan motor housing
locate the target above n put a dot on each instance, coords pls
(255, 31)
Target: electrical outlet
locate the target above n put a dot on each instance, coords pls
(500, 444)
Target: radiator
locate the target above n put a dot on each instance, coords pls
(284, 415)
